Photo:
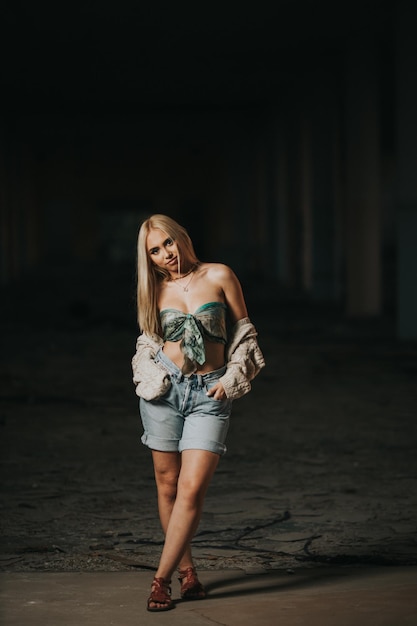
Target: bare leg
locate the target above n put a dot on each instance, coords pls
(197, 469)
(167, 466)
(182, 483)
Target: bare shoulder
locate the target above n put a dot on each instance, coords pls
(218, 272)
(224, 279)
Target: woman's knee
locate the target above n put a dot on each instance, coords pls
(191, 492)
(167, 483)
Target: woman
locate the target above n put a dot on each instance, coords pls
(187, 373)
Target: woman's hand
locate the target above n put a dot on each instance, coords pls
(217, 392)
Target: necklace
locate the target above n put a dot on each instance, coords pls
(184, 275)
(191, 271)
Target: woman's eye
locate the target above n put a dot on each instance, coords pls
(154, 251)
(169, 242)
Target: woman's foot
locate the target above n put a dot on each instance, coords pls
(191, 588)
(160, 598)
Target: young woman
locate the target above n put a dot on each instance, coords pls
(187, 370)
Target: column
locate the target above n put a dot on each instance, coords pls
(363, 245)
(407, 172)
(325, 223)
(280, 230)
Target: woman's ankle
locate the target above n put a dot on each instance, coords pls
(182, 567)
(164, 575)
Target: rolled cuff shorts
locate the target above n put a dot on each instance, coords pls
(185, 418)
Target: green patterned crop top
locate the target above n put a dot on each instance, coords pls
(208, 322)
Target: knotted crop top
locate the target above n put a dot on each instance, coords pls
(208, 322)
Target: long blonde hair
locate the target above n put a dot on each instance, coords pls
(149, 276)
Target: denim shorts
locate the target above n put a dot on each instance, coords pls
(185, 418)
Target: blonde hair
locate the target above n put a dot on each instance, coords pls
(149, 276)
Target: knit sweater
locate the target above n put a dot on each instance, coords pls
(244, 360)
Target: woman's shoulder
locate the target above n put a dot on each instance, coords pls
(216, 271)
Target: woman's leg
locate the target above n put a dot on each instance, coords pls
(196, 470)
(182, 482)
(167, 466)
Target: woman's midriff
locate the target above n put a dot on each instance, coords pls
(214, 356)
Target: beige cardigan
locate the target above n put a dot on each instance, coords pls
(244, 360)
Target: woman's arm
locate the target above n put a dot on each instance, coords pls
(150, 379)
(241, 368)
(233, 295)
(244, 359)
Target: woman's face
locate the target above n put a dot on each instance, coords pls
(163, 250)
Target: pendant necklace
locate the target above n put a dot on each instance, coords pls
(185, 287)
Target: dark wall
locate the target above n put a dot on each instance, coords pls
(236, 122)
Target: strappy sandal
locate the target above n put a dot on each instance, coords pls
(160, 594)
(191, 588)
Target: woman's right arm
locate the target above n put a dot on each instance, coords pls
(151, 380)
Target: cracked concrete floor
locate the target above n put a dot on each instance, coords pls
(320, 470)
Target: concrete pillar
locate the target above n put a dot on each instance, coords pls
(305, 202)
(325, 266)
(407, 171)
(240, 245)
(262, 259)
(300, 229)
(295, 215)
(280, 226)
(12, 261)
(363, 245)
(30, 211)
(4, 213)
(272, 205)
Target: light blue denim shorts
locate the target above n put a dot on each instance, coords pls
(185, 418)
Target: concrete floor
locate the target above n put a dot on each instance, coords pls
(320, 597)
(311, 516)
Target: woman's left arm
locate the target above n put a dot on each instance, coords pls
(233, 295)
(234, 298)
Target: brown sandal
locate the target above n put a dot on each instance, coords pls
(191, 588)
(160, 594)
